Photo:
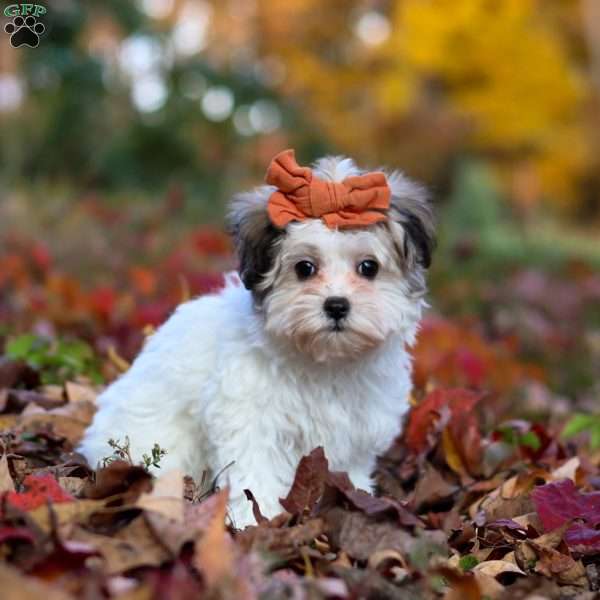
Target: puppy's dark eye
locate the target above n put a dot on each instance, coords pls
(368, 269)
(305, 269)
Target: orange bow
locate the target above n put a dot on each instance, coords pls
(355, 202)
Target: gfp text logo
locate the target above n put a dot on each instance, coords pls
(25, 29)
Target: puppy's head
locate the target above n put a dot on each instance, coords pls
(335, 294)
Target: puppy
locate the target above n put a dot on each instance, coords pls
(308, 349)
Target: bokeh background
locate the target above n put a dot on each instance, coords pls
(125, 131)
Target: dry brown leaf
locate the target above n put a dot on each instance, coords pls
(135, 545)
(552, 539)
(562, 568)
(16, 586)
(73, 485)
(172, 534)
(166, 496)
(462, 586)
(68, 427)
(53, 392)
(213, 556)
(567, 470)
(197, 518)
(8, 421)
(531, 519)
(382, 556)
(83, 410)
(283, 541)
(78, 392)
(65, 513)
(431, 488)
(494, 568)
(6, 482)
(488, 586)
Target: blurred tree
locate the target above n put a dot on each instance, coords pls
(203, 93)
(110, 102)
(420, 82)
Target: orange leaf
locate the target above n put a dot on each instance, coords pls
(214, 551)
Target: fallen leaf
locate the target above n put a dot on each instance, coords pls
(285, 542)
(15, 372)
(422, 418)
(560, 502)
(258, 516)
(308, 484)
(338, 489)
(463, 586)
(72, 485)
(16, 533)
(77, 511)
(6, 482)
(16, 586)
(431, 488)
(119, 477)
(77, 392)
(213, 556)
(68, 427)
(493, 568)
(132, 546)
(567, 470)
(360, 536)
(166, 496)
(39, 490)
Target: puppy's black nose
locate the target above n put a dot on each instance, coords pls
(336, 307)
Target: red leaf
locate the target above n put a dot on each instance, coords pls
(308, 483)
(41, 256)
(39, 489)
(8, 534)
(102, 301)
(472, 366)
(423, 418)
(559, 502)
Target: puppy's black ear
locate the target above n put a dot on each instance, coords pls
(411, 223)
(254, 236)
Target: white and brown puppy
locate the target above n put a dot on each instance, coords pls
(310, 351)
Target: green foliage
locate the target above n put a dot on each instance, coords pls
(121, 451)
(515, 438)
(582, 423)
(57, 360)
(474, 205)
(468, 562)
(153, 460)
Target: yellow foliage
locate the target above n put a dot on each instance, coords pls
(498, 77)
(508, 71)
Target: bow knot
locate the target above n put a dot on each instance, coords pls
(355, 202)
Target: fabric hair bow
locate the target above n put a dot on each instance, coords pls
(355, 202)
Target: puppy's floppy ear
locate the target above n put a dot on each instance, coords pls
(253, 234)
(411, 221)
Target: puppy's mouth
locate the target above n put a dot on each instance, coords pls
(337, 327)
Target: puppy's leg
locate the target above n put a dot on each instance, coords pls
(257, 466)
(151, 403)
(134, 413)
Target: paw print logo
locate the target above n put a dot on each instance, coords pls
(25, 31)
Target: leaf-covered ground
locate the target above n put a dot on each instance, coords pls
(493, 491)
